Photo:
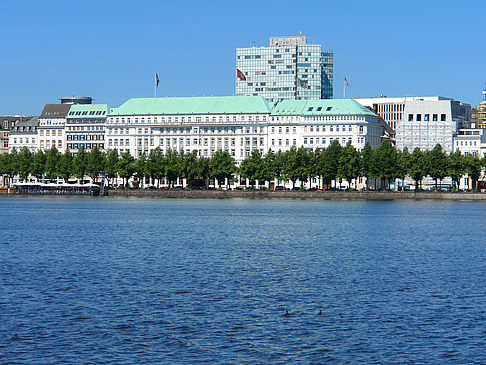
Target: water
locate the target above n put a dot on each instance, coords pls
(128, 281)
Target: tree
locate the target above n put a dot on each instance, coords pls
(38, 164)
(278, 164)
(328, 163)
(222, 166)
(140, 168)
(172, 166)
(251, 167)
(190, 167)
(367, 163)
(404, 161)
(456, 167)
(269, 165)
(438, 163)
(290, 168)
(125, 166)
(65, 166)
(95, 163)
(304, 167)
(385, 162)
(154, 165)
(52, 160)
(349, 161)
(25, 162)
(417, 169)
(80, 163)
(473, 168)
(112, 165)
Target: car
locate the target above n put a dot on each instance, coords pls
(279, 188)
(295, 188)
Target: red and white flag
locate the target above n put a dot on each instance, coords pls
(240, 75)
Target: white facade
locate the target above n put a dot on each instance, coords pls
(308, 123)
(470, 141)
(24, 134)
(50, 131)
(85, 126)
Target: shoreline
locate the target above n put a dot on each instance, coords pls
(296, 195)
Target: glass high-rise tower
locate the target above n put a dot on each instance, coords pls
(288, 69)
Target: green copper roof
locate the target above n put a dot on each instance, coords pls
(194, 105)
(88, 111)
(320, 107)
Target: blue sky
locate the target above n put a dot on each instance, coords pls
(109, 49)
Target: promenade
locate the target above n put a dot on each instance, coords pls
(300, 195)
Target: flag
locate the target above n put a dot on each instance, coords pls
(240, 75)
(157, 78)
(346, 83)
(302, 83)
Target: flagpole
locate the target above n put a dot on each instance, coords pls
(344, 87)
(155, 82)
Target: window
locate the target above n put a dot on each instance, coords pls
(434, 117)
(410, 117)
(442, 117)
(426, 117)
(419, 117)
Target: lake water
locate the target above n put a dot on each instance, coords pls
(104, 280)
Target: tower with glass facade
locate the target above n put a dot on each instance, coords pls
(288, 69)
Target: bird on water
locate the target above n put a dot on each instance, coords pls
(320, 313)
(287, 313)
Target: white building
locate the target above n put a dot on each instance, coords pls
(85, 126)
(237, 124)
(24, 134)
(422, 122)
(470, 141)
(51, 127)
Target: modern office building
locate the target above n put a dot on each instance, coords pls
(421, 121)
(51, 127)
(288, 69)
(237, 124)
(85, 126)
(426, 123)
(24, 134)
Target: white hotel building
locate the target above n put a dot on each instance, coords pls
(237, 124)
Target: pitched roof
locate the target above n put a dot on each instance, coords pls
(320, 107)
(55, 111)
(194, 105)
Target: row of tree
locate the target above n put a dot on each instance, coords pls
(334, 163)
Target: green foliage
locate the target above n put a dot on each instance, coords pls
(25, 163)
(38, 167)
(52, 160)
(125, 166)
(349, 163)
(65, 166)
(112, 164)
(456, 167)
(95, 163)
(417, 170)
(222, 166)
(328, 162)
(80, 163)
(473, 168)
